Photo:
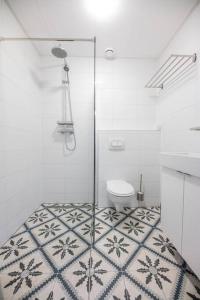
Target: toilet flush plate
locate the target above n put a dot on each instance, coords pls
(116, 144)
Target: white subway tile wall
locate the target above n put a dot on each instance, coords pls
(68, 177)
(178, 108)
(20, 128)
(125, 110)
(122, 101)
(140, 156)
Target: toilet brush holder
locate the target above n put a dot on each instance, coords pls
(140, 196)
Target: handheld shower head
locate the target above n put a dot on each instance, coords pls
(59, 52)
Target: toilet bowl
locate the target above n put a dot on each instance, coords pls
(121, 194)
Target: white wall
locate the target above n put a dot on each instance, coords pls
(178, 108)
(68, 177)
(20, 128)
(122, 101)
(125, 110)
(140, 156)
(30, 105)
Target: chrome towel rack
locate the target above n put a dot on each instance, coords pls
(172, 69)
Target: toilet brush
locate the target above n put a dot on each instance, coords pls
(140, 194)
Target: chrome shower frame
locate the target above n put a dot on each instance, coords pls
(52, 39)
(65, 39)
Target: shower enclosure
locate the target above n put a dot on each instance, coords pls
(67, 86)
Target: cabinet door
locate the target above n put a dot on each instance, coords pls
(172, 187)
(191, 223)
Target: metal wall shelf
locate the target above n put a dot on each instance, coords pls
(172, 69)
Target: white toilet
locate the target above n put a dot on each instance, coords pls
(121, 194)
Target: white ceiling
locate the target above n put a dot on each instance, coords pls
(140, 28)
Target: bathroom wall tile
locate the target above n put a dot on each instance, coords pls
(21, 127)
(69, 173)
(140, 156)
(121, 96)
(178, 107)
(54, 185)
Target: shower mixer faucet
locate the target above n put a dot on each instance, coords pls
(65, 127)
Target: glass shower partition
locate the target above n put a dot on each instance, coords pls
(69, 134)
(62, 228)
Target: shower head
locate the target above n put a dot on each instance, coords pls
(59, 52)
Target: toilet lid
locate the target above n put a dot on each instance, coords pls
(120, 188)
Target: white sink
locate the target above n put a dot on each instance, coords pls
(186, 162)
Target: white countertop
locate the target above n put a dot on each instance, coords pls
(186, 162)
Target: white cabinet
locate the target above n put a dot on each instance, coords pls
(172, 185)
(191, 223)
(180, 214)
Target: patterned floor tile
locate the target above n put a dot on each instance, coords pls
(190, 288)
(23, 276)
(128, 210)
(76, 276)
(86, 229)
(40, 207)
(134, 291)
(100, 287)
(155, 274)
(155, 209)
(117, 247)
(76, 287)
(110, 216)
(98, 209)
(50, 204)
(60, 209)
(134, 229)
(64, 249)
(48, 231)
(161, 244)
(90, 273)
(88, 208)
(74, 218)
(97, 255)
(38, 218)
(159, 227)
(19, 230)
(146, 216)
(51, 257)
(15, 248)
(54, 290)
(112, 290)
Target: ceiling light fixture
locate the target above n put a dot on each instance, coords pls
(102, 9)
(109, 53)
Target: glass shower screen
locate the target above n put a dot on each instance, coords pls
(69, 125)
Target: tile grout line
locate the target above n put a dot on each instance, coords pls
(140, 286)
(120, 271)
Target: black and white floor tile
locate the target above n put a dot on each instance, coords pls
(74, 217)
(146, 215)
(133, 228)
(54, 257)
(86, 228)
(110, 216)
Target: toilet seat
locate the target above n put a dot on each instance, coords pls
(120, 188)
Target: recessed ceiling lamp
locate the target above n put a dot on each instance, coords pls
(102, 9)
